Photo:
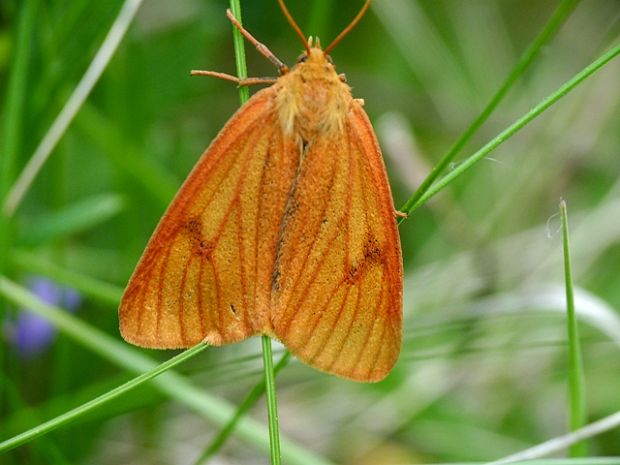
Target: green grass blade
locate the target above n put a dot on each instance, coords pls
(576, 384)
(515, 127)
(244, 95)
(242, 69)
(272, 401)
(176, 386)
(588, 461)
(66, 115)
(252, 397)
(557, 19)
(561, 443)
(84, 409)
(13, 395)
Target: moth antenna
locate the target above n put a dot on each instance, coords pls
(262, 48)
(294, 25)
(348, 28)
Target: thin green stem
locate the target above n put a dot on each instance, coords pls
(170, 383)
(586, 461)
(554, 23)
(272, 401)
(71, 108)
(270, 384)
(251, 399)
(242, 69)
(514, 128)
(576, 384)
(560, 443)
(83, 409)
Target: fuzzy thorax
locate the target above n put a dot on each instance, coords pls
(312, 99)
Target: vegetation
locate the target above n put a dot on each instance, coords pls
(487, 358)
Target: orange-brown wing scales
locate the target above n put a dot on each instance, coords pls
(337, 300)
(261, 220)
(207, 266)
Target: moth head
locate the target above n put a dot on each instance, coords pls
(314, 53)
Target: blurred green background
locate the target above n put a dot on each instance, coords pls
(483, 369)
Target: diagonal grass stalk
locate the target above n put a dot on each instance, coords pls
(84, 409)
(576, 384)
(172, 384)
(511, 130)
(73, 105)
(551, 27)
(560, 443)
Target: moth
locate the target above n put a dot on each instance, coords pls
(285, 227)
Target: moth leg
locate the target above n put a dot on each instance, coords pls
(262, 48)
(230, 77)
(399, 214)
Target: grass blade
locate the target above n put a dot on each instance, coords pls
(511, 130)
(576, 385)
(79, 95)
(557, 19)
(178, 387)
(560, 443)
(242, 69)
(248, 402)
(272, 401)
(84, 409)
(244, 95)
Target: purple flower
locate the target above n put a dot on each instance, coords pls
(32, 334)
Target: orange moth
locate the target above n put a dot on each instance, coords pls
(285, 227)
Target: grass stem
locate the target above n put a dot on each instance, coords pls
(73, 105)
(511, 130)
(83, 409)
(272, 409)
(272, 402)
(557, 19)
(576, 385)
(242, 69)
(253, 396)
